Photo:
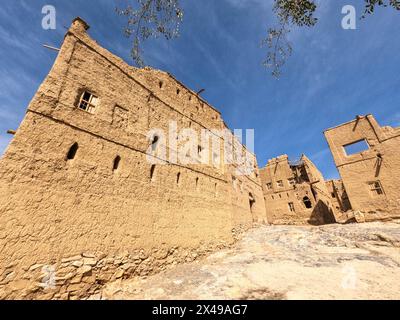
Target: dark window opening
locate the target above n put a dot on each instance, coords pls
(291, 207)
(154, 143)
(356, 147)
(72, 151)
(117, 160)
(160, 84)
(307, 202)
(197, 182)
(178, 177)
(178, 91)
(88, 102)
(252, 202)
(333, 195)
(152, 171)
(376, 188)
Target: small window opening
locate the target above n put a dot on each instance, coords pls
(178, 91)
(291, 207)
(88, 102)
(197, 182)
(307, 202)
(117, 160)
(152, 171)
(376, 188)
(160, 84)
(252, 202)
(154, 143)
(333, 195)
(269, 185)
(356, 147)
(72, 151)
(280, 183)
(178, 178)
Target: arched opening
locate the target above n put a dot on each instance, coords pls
(117, 161)
(154, 142)
(72, 151)
(178, 178)
(160, 84)
(152, 171)
(252, 201)
(197, 182)
(307, 202)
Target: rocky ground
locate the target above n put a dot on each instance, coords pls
(356, 261)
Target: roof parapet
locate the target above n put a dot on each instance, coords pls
(78, 22)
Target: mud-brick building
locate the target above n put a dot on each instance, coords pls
(368, 159)
(80, 202)
(296, 193)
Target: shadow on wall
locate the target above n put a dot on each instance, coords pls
(321, 215)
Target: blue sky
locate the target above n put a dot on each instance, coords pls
(332, 76)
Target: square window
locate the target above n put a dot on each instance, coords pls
(292, 181)
(376, 188)
(269, 186)
(356, 147)
(88, 102)
(280, 183)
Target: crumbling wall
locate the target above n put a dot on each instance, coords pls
(339, 196)
(86, 222)
(369, 174)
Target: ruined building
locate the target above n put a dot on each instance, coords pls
(296, 193)
(368, 159)
(80, 202)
